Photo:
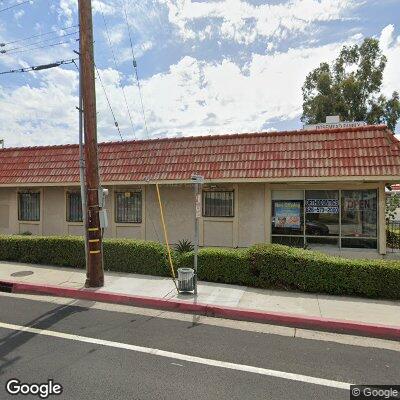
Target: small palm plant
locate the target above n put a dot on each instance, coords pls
(184, 246)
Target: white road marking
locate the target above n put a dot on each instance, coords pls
(182, 357)
(178, 365)
(246, 326)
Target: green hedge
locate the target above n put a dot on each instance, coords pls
(119, 255)
(220, 265)
(290, 268)
(264, 266)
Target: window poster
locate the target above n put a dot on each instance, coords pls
(287, 214)
(322, 206)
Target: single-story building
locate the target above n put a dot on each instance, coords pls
(309, 187)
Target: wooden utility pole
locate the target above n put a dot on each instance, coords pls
(95, 272)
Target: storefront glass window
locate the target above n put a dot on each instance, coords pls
(322, 212)
(359, 218)
(325, 217)
(359, 213)
(287, 213)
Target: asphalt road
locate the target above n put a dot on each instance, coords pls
(114, 369)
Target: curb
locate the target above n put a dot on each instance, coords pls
(285, 319)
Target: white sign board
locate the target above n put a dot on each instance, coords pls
(334, 125)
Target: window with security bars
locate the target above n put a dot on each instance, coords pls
(128, 207)
(29, 206)
(218, 204)
(74, 207)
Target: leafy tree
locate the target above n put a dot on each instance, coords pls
(350, 88)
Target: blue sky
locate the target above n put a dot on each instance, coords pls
(206, 67)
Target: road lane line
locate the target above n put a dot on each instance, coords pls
(182, 357)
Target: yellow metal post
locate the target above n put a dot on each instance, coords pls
(165, 233)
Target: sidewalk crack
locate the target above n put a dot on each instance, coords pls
(319, 307)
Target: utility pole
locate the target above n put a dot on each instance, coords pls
(95, 272)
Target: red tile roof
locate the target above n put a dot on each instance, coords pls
(368, 151)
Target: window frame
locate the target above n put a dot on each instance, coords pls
(67, 211)
(24, 192)
(203, 211)
(134, 191)
(340, 235)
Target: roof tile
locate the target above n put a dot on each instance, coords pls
(368, 150)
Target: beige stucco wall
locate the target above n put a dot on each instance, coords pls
(251, 222)
(178, 206)
(54, 211)
(8, 211)
(252, 216)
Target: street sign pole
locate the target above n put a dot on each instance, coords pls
(198, 181)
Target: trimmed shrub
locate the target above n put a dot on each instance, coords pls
(65, 251)
(264, 266)
(137, 256)
(121, 255)
(290, 268)
(220, 265)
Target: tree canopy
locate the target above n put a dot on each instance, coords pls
(351, 88)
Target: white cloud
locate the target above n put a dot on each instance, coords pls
(45, 114)
(193, 97)
(69, 8)
(390, 45)
(243, 22)
(19, 14)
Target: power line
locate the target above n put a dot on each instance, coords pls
(109, 104)
(37, 48)
(15, 5)
(116, 67)
(105, 93)
(134, 63)
(4, 51)
(39, 67)
(36, 36)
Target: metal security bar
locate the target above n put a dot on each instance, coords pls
(74, 207)
(29, 206)
(128, 207)
(218, 203)
(393, 236)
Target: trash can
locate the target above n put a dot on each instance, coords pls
(185, 279)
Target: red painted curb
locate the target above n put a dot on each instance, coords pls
(293, 320)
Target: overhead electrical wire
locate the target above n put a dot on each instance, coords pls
(15, 5)
(116, 67)
(134, 63)
(38, 35)
(22, 47)
(105, 93)
(109, 103)
(37, 48)
(39, 67)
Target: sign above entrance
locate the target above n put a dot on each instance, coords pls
(334, 125)
(322, 206)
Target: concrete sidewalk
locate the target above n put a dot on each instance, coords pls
(221, 297)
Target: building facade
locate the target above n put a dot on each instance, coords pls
(303, 188)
